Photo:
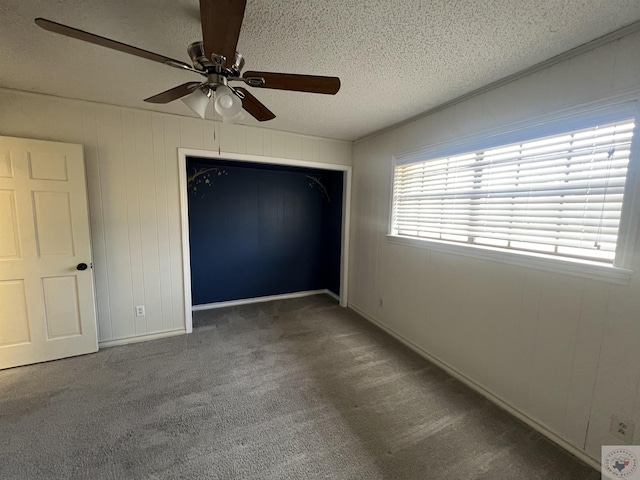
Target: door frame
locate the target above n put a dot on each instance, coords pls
(183, 153)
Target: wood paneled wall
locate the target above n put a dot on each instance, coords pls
(562, 350)
(132, 175)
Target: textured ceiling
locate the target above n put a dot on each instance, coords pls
(396, 58)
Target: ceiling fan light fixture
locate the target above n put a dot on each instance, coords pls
(226, 103)
(198, 101)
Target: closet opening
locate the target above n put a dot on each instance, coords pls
(256, 230)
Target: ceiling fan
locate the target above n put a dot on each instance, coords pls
(216, 59)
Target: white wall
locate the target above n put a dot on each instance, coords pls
(563, 350)
(132, 175)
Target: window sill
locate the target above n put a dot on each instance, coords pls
(584, 269)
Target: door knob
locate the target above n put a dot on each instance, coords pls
(82, 266)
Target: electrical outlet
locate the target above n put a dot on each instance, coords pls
(622, 429)
(140, 311)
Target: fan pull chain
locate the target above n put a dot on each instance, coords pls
(219, 152)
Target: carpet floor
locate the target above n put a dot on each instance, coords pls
(296, 389)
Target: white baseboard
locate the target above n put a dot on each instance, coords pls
(140, 338)
(244, 301)
(544, 430)
(331, 294)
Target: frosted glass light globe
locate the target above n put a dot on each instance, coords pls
(198, 101)
(226, 102)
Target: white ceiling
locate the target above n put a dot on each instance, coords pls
(396, 58)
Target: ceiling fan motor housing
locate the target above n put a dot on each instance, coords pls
(198, 57)
(201, 62)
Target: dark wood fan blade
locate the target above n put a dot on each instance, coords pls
(221, 22)
(299, 83)
(255, 107)
(173, 93)
(104, 42)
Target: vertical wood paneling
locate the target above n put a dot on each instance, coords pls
(133, 217)
(69, 127)
(254, 141)
(474, 113)
(584, 366)
(525, 102)
(356, 289)
(114, 194)
(558, 75)
(210, 136)
(99, 252)
(561, 349)
(14, 121)
(374, 261)
(292, 146)
(172, 142)
(411, 137)
(558, 320)
(308, 150)
(228, 137)
(626, 68)
(241, 136)
(149, 225)
(191, 133)
(618, 377)
(328, 152)
(162, 206)
(38, 117)
(278, 144)
(519, 375)
(266, 144)
(584, 84)
(503, 322)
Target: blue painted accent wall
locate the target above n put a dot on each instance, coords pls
(258, 230)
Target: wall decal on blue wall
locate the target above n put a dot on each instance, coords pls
(258, 230)
(202, 177)
(315, 181)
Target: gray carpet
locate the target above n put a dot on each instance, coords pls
(298, 389)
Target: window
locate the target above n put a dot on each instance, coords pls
(558, 190)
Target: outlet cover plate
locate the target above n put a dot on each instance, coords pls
(622, 428)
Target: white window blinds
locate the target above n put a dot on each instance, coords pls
(559, 195)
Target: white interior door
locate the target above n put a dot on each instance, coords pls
(46, 299)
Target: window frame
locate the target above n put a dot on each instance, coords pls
(620, 271)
